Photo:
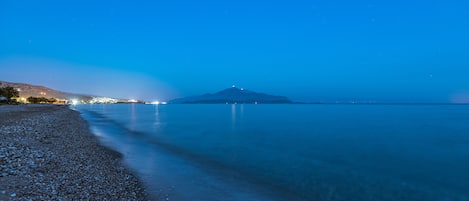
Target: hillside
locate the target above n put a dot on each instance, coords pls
(27, 90)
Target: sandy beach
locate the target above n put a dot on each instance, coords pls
(48, 153)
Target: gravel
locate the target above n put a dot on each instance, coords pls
(48, 153)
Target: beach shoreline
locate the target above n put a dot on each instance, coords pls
(47, 152)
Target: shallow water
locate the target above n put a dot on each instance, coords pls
(291, 152)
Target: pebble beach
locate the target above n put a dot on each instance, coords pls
(48, 153)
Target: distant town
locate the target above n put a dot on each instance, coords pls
(17, 93)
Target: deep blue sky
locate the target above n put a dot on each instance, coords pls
(396, 50)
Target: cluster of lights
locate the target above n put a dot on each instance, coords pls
(74, 101)
(103, 100)
(158, 103)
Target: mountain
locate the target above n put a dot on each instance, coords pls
(233, 95)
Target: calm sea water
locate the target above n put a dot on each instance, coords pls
(291, 152)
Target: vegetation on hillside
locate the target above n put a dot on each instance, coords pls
(8, 95)
(39, 100)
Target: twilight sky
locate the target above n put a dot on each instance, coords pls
(364, 50)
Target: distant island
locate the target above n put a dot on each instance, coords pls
(233, 95)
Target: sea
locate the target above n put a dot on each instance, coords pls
(290, 152)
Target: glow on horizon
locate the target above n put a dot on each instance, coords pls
(83, 79)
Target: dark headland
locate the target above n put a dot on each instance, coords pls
(48, 153)
(233, 95)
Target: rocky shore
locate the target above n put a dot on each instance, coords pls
(48, 153)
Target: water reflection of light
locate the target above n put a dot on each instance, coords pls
(103, 107)
(133, 116)
(233, 115)
(157, 117)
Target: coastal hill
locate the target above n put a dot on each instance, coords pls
(233, 95)
(27, 90)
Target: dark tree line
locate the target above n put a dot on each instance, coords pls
(38, 100)
(9, 95)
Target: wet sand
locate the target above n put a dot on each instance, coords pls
(48, 153)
